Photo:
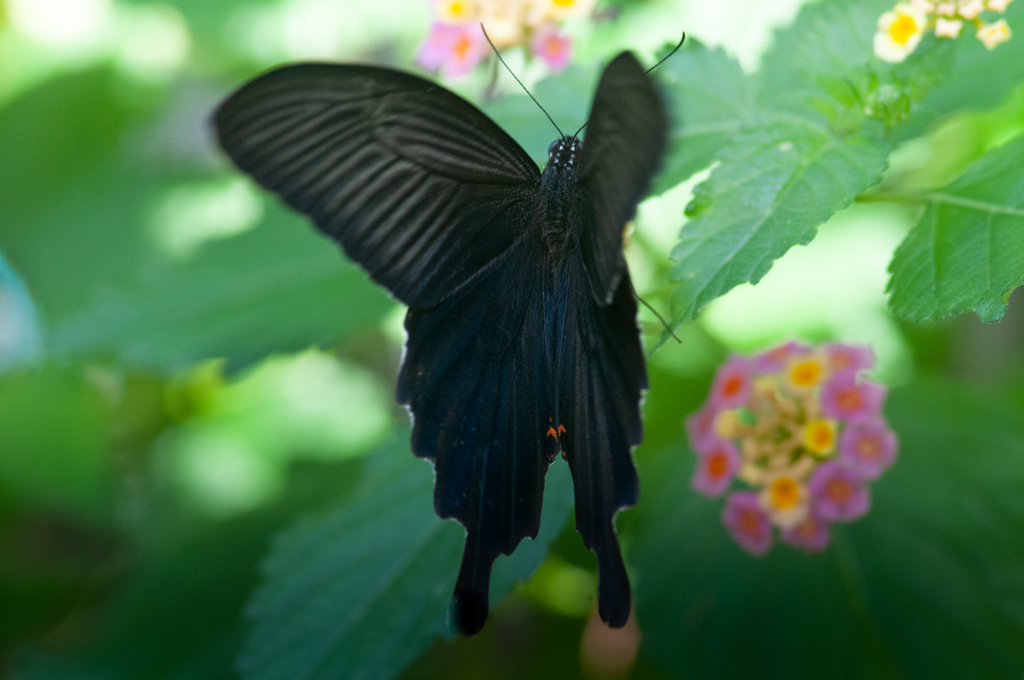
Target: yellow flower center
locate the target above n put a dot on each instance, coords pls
(902, 29)
(819, 435)
(565, 3)
(785, 493)
(805, 373)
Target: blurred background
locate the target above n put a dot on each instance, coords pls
(186, 368)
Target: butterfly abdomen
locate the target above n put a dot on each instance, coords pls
(560, 184)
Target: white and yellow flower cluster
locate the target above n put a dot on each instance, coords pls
(900, 30)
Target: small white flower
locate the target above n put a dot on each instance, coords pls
(946, 9)
(925, 6)
(946, 28)
(899, 32)
(993, 34)
(998, 5)
(970, 9)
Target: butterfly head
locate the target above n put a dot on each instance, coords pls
(564, 153)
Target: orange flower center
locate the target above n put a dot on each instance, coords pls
(902, 29)
(461, 48)
(554, 47)
(869, 448)
(807, 528)
(839, 490)
(819, 436)
(749, 522)
(785, 493)
(718, 463)
(806, 374)
(732, 385)
(850, 399)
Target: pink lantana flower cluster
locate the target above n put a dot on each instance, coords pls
(456, 42)
(804, 431)
(900, 30)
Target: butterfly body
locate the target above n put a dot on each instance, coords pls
(522, 336)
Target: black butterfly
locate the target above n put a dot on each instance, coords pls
(523, 339)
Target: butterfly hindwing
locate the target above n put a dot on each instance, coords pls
(602, 378)
(624, 144)
(413, 181)
(477, 379)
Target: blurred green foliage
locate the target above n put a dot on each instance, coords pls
(202, 471)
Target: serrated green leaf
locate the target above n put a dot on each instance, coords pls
(826, 55)
(829, 38)
(710, 98)
(772, 189)
(362, 591)
(967, 250)
(927, 585)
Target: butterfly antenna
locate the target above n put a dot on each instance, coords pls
(674, 50)
(663, 322)
(498, 55)
(660, 62)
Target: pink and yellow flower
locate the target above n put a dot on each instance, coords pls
(812, 534)
(552, 47)
(848, 358)
(717, 463)
(747, 523)
(454, 49)
(868, 446)
(840, 493)
(732, 384)
(454, 45)
(774, 360)
(845, 399)
(803, 431)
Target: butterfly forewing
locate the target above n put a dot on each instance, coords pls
(413, 181)
(625, 141)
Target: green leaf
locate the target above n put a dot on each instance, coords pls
(278, 288)
(83, 233)
(772, 189)
(362, 591)
(53, 447)
(830, 38)
(710, 99)
(927, 585)
(965, 253)
(825, 61)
